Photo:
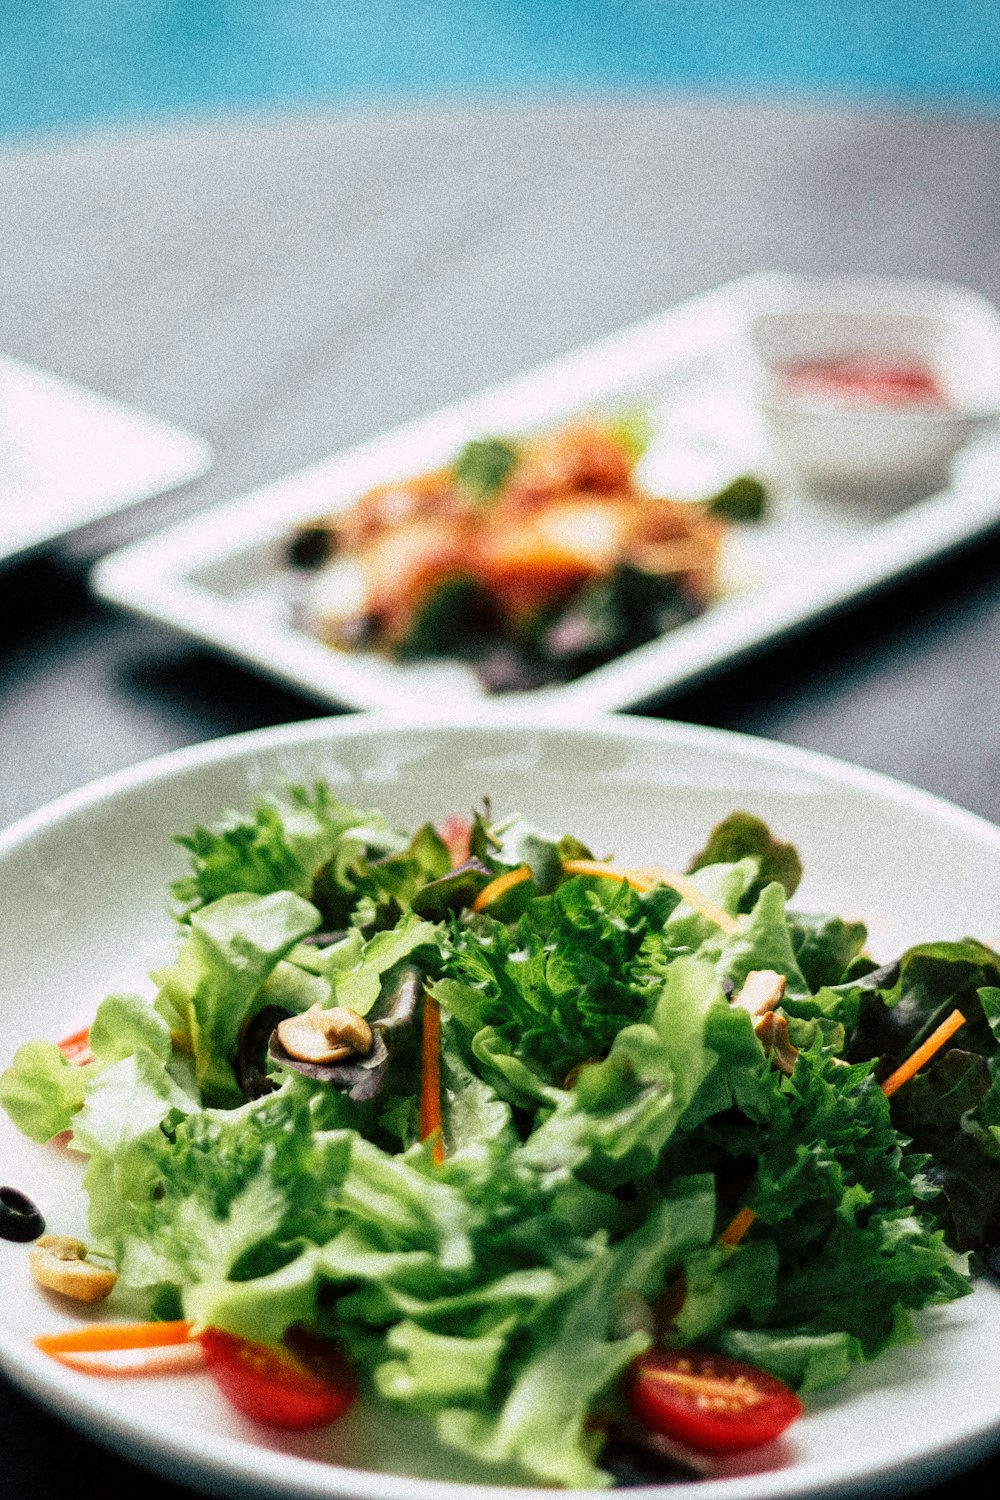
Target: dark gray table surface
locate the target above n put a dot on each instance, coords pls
(287, 287)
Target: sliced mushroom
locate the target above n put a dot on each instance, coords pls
(392, 1020)
(772, 1031)
(325, 1036)
(60, 1264)
(763, 990)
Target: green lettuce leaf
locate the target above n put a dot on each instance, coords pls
(741, 835)
(951, 1110)
(41, 1091)
(44, 1094)
(573, 1356)
(805, 1361)
(232, 947)
(556, 990)
(196, 1198)
(615, 1122)
(126, 1100)
(357, 984)
(825, 946)
(433, 1370)
(899, 1008)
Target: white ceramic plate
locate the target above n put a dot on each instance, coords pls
(221, 578)
(69, 456)
(83, 911)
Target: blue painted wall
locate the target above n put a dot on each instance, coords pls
(67, 63)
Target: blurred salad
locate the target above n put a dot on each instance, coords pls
(532, 559)
(563, 1158)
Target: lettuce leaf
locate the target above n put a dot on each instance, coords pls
(806, 1361)
(825, 946)
(898, 1008)
(614, 1124)
(356, 968)
(742, 835)
(44, 1094)
(555, 990)
(573, 1356)
(196, 1198)
(41, 1091)
(231, 949)
(305, 841)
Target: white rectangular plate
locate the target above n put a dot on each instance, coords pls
(221, 577)
(69, 456)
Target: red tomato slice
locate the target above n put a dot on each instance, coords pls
(76, 1048)
(305, 1385)
(456, 832)
(709, 1402)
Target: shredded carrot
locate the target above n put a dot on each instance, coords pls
(100, 1337)
(644, 880)
(175, 1359)
(76, 1048)
(430, 1081)
(923, 1054)
(634, 878)
(738, 1227)
(640, 880)
(500, 886)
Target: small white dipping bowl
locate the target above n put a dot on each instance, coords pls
(855, 442)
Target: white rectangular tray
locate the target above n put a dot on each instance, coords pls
(69, 456)
(221, 577)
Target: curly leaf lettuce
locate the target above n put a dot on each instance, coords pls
(232, 947)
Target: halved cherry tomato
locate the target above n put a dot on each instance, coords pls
(456, 832)
(76, 1048)
(709, 1402)
(301, 1384)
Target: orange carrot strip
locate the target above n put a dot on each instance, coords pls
(640, 880)
(644, 880)
(500, 886)
(608, 872)
(430, 1081)
(923, 1054)
(738, 1227)
(99, 1337)
(173, 1360)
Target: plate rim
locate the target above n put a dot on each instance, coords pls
(490, 714)
(222, 1462)
(184, 456)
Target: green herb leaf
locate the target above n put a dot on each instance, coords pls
(484, 465)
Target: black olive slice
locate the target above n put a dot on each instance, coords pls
(20, 1220)
(634, 1455)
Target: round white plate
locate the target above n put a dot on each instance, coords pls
(83, 910)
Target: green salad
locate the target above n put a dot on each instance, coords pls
(512, 1129)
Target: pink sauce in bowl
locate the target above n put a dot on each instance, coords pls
(867, 379)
